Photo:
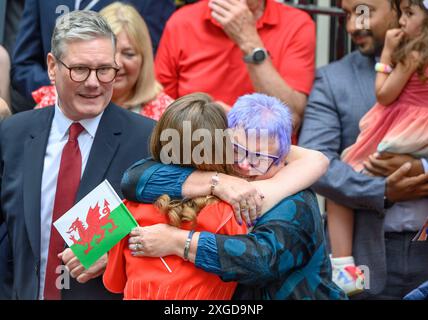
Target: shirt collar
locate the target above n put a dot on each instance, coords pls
(269, 17)
(62, 123)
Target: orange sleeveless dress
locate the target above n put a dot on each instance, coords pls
(401, 127)
(149, 278)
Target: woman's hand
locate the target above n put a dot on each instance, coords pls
(158, 240)
(244, 197)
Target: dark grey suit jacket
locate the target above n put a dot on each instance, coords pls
(343, 92)
(121, 139)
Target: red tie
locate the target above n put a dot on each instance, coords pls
(66, 191)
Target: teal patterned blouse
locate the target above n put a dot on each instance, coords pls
(283, 257)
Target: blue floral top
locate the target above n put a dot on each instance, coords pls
(283, 257)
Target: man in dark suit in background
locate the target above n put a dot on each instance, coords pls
(53, 157)
(29, 71)
(385, 219)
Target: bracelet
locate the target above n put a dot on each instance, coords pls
(215, 179)
(187, 245)
(382, 67)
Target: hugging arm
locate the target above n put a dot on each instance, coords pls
(220, 254)
(304, 168)
(250, 259)
(146, 180)
(259, 262)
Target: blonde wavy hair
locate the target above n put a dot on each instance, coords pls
(203, 113)
(124, 17)
(418, 44)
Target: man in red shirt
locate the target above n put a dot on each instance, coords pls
(228, 48)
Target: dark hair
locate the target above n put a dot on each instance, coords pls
(395, 5)
(418, 44)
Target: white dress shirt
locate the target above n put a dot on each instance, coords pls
(58, 137)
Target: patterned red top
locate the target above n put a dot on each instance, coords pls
(155, 108)
(46, 96)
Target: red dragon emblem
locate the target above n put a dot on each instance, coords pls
(94, 221)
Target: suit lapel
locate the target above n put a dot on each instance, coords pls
(106, 142)
(34, 154)
(363, 68)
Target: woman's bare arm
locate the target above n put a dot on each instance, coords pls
(304, 168)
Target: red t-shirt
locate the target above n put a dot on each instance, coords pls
(149, 278)
(195, 55)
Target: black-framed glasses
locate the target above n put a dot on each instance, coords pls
(261, 162)
(81, 73)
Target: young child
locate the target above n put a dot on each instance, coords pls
(398, 123)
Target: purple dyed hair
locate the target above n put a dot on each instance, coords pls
(258, 111)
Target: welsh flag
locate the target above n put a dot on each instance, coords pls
(95, 224)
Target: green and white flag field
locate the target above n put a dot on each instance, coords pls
(95, 224)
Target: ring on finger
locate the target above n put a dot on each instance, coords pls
(243, 206)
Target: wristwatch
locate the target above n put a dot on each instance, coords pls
(257, 56)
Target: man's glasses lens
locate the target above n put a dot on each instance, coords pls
(80, 74)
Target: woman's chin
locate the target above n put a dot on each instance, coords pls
(119, 91)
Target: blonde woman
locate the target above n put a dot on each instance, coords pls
(135, 87)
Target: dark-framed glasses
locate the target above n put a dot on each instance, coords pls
(104, 74)
(261, 162)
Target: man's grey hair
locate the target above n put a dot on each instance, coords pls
(79, 25)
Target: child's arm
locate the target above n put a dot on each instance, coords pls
(390, 86)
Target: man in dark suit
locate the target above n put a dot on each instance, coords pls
(53, 157)
(385, 219)
(35, 31)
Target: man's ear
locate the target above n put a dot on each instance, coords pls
(52, 67)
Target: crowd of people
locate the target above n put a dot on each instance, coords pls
(90, 90)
